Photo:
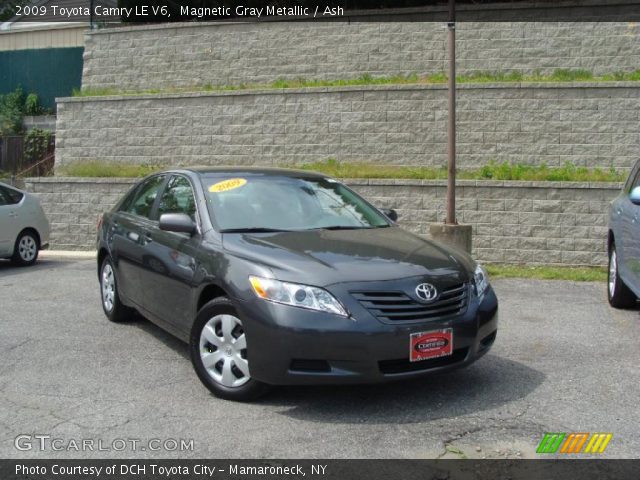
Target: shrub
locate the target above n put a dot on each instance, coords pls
(11, 112)
(32, 105)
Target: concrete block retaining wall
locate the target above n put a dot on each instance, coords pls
(179, 55)
(590, 124)
(513, 222)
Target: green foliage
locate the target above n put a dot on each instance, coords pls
(8, 8)
(545, 272)
(96, 168)
(36, 142)
(32, 105)
(491, 171)
(335, 168)
(560, 75)
(567, 173)
(13, 107)
(11, 112)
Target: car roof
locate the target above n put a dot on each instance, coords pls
(280, 172)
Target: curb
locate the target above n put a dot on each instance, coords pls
(74, 254)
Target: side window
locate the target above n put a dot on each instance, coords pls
(636, 182)
(144, 197)
(633, 180)
(178, 198)
(11, 197)
(126, 203)
(4, 198)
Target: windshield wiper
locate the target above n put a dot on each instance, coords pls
(253, 230)
(345, 227)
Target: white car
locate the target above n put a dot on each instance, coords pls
(24, 229)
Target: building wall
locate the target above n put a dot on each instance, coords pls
(513, 222)
(185, 55)
(593, 125)
(56, 36)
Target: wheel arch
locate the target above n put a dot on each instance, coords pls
(610, 240)
(102, 254)
(31, 229)
(208, 293)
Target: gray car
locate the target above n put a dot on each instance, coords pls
(24, 228)
(624, 244)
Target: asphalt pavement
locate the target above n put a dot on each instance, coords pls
(563, 361)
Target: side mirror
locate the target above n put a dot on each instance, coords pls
(635, 196)
(391, 214)
(177, 222)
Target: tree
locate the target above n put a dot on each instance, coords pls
(8, 8)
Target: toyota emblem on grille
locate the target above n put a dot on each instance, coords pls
(426, 292)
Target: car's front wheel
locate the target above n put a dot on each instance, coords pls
(26, 249)
(620, 296)
(219, 352)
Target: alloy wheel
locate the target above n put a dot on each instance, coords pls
(223, 351)
(27, 248)
(613, 272)
(108, 287)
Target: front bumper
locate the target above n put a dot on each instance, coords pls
(294, 346)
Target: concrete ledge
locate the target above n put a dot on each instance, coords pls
(349, 88)
(71, 254)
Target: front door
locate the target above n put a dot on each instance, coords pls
(630, 225)
(170, 263)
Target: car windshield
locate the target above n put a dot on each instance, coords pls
(281, 203)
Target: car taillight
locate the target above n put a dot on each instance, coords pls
(100, 218)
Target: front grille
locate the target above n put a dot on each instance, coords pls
(399, 307)
(403, 365)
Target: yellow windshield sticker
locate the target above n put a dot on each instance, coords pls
(227, 185)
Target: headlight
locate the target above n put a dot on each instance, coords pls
(481, 280)
(303, 296)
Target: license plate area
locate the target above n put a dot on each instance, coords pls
(432, 344)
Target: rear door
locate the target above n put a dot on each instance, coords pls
(10, 221)
(630, 228)
(7, 236)
(169, 269)
(129, 240)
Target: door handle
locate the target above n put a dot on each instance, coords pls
(13, 214)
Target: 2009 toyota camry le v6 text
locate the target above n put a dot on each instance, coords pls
(282, 277)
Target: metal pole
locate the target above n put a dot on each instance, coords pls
(451, 150)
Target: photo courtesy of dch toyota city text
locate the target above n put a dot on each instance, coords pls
(332, 239)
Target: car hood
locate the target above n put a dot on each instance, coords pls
(325, 257)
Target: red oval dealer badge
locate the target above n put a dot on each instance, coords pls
(437, 343)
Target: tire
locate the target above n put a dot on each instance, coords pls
(113, 308)
(218, 349)
(26, 249)
(618, 293)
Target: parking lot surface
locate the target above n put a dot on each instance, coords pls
(564, 361)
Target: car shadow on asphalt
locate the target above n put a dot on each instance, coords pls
(490, 383)
(174, 343)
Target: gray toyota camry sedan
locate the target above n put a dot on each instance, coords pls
(282, 277)
(624, 244)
